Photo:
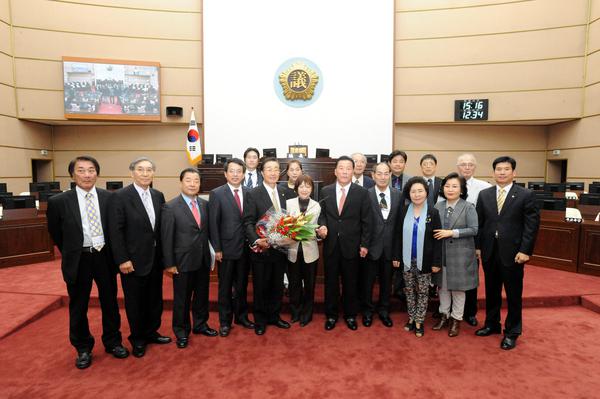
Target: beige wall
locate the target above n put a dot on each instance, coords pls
(579, 141)
(149, 30)
(527, 57)
(20, 141)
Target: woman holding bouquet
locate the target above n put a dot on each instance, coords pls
(303, 255)
(421, 252)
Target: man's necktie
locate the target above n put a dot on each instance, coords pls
(501, 198)
(357, 182)
(342, 200)
(383, 203)
(449, 212)
(249, 183)
(148, 206)
(275, 202)
(195, 211)
(237, 199)
(93, 219)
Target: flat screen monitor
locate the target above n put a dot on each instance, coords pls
(554, 204)
(371, 158)
(589, 199)
(222, 158)
(322, 153)
(594, 188)
(54, 185)
(555, 187)
(38, 187)
(19, 202)
(384, 157)
(270, 152)
(208, 159)
(103, 89)
(536, 185)
(3, 187)
(114, 185)
(579, 186)
(45, 195)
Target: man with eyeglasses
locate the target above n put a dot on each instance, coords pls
(135, 235)
(466, 164)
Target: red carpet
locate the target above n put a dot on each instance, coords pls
(558, 355)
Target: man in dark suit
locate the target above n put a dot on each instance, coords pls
(398, 179)
(345, 217)
(384, 250)
(359, 177)
(135, 231)
(77, 224)
(508, 224)
(186, 254)
(428, 168)
(228, 237)
(268, 264)
(252, 176)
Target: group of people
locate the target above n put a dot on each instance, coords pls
(133, 98)
(409, 233)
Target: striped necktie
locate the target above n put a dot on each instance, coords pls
(93, 220)
(501, 198)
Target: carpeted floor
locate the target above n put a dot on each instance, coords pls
(558, 357)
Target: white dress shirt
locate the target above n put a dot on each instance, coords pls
(270, 191)
(150, 207)
(388, 200)
(254, 174)
(88, 241)
(338, 192)
(240, 194)
(474, 186)
(506, 190)
(361, 180)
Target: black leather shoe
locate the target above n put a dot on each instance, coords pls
(138, 350)
(386, 320)
(159, 339)
(409, 326)
(259, 329)
(182, 342)
(330, 324)
(472, 321)
(351, 323)
(281, 324)
(83, 360)
(224, 331)
(304, 323)
(508, 343)
(118, 351)
(487, 331)
(205, 330)
(367, 321)
(245, 323)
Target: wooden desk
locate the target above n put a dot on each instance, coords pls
(589, 248)
(557, 244)
(25, 240)
(320, 169)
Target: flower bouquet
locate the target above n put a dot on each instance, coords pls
(281, 229)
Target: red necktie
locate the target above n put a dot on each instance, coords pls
(237, 200)
(195, 212)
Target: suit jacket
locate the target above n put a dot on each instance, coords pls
(367, 182)
(133, 237)
(226, 225)
(310, 249)
(351, 229)
(404, 179)
(184, 243)
(437, 185)
(432, 248)
(459, 253)
(517, 224)
(65, 228)
(384, 240)
(259, 202)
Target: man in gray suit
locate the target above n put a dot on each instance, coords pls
(384, 248)
(184, 233)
